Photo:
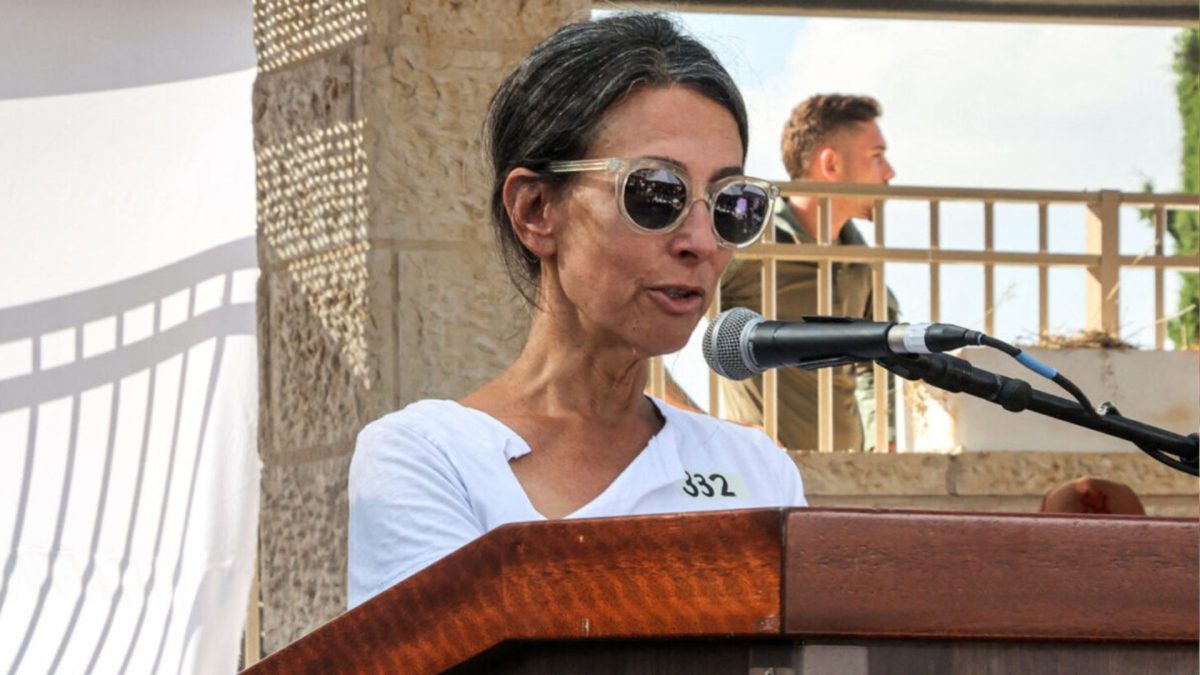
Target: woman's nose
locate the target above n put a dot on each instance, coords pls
(696, 235)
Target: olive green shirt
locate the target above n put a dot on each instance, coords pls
(796, 283)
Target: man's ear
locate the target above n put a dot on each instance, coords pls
(527, 200)
(829, 164)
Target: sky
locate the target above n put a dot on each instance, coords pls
(980, 104)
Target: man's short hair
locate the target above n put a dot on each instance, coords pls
(813, 121)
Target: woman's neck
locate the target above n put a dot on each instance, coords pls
(562, 371)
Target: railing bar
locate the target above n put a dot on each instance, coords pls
(879, 286)
(1162, 262)
(1160, 230)
(770, 379)
(1102, 283)
(824, 223)
(1173, 200)
(1043, 270)
(866, 254)
(879, 312)
(658, 378)
(880, 225)
(824, 307)
(935, 270)
(1160, 322)
(989, 271)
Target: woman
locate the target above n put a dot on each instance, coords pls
(602, 141)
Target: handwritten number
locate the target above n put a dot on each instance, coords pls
(697, 483)
(725, 491)
(689, 487)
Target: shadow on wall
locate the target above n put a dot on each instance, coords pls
(118, 395)
(114, 44)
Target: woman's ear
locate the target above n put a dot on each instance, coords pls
(527, 198)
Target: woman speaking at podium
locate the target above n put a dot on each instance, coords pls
(617, 148)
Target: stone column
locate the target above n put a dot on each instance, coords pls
(379, 283)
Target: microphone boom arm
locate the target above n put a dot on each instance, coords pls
(958, 375)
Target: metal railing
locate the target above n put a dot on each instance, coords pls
(1101, 259)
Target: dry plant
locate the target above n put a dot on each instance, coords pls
(1084, 339)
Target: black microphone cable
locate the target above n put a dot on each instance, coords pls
(1040, 368)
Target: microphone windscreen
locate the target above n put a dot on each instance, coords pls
(726, 343)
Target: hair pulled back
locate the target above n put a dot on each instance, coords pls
(550, 107)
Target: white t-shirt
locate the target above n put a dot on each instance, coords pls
(434, 476)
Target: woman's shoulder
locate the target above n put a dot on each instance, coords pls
(431, 424)
(699, 429)
(424, 417)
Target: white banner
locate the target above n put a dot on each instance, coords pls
(128, 380)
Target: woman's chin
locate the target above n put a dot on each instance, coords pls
(668, 344)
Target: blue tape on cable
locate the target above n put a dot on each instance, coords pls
(1037, 366)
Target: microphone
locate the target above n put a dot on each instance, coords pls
(739, 343)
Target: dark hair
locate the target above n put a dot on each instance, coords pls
(549, 108)
(814, 120)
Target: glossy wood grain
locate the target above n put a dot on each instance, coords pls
(981, 576)
(778, 574)
(648, 576)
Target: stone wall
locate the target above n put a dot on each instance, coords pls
(379, 285)
(986, 481)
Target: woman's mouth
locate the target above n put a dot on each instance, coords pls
(678, 299)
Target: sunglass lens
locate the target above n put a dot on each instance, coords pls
(740, 212)
(654, 198)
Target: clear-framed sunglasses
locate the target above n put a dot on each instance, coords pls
(655, 195)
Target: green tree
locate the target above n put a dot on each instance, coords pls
(1184, 226)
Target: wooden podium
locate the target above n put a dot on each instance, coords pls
(787, 591)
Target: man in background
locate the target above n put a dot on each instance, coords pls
(829, 138)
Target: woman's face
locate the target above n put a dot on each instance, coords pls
(646, 291)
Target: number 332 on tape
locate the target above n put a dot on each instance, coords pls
(712, 485)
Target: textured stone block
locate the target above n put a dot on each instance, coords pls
(303, 547)
(328, 360)
(317, 94)
(311, 159)
(430, 186)
(472, 20)
(429, 178)
(287, 33)
(839, 473)
(458, 325)
(1012, 473)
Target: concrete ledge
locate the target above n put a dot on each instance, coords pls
(840, 473)
(985, 481)
(1015, 473)
(1165, 507)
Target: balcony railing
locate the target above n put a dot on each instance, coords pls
(1101, 259)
